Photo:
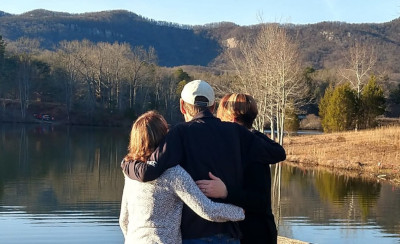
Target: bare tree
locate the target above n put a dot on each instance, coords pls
(268, 68)
(285, 75)
(358, 68)
(86, 57)
(359, 65)
(25, 50)
(140, 59)
(103, 74)
(118, 63)
(67, 59)
(110, 65)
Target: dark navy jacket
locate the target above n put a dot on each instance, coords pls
(206, 144)
(255, 197)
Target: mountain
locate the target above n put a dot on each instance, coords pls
(325, 44)
(4, 14)
(175, 44)
(322, 45)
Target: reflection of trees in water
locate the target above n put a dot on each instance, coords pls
(282, 176)
(335, 189)
(94, 172)
(276, 192)
(13, 159)
(322, 198)
(62, 168)
(388, 209)
(347, 191)
(23, 149)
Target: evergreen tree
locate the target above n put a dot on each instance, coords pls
(312, 86)
(339, 109)
(372, 103)
(182, 78)
(395, 95)
(180, 86)
(323, 107)
(181, 75)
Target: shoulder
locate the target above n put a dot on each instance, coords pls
(178, 128)
(259, 134)
(180, 125)
(232, 126)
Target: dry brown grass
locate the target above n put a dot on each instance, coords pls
(285, 240)
(373, 153)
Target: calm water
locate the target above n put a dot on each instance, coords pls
(64, 185)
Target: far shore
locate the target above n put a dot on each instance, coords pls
(372, 154)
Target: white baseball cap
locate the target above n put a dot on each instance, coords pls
(197, 88)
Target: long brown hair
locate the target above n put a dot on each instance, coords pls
(238, 106)
(147, 132)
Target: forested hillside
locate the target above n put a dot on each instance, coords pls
(175, 44)
(109, 67)
(322, 45)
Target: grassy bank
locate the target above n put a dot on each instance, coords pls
(372, 154)
(285, 240)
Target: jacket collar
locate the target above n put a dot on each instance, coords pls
(203, 114)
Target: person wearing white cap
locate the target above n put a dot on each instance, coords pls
(205, 146)
(195, 89)
(196, 96)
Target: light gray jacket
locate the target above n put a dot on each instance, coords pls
(151, 211)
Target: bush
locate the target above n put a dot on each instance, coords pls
(311, 122)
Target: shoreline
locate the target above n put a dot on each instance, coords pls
(285, 240)
(369, 154)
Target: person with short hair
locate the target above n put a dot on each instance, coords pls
(202, 145)
(151, 212)
(255, 197)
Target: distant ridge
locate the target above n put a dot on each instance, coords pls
(322, 45)
(41, 13)
(4, 14)
(175, 44)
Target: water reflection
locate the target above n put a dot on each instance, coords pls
(54, 180)
(321, 207)
(64, 185)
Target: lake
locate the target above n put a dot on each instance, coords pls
(64, 184)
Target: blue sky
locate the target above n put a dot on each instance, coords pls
(241, 12)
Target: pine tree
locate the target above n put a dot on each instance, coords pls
(339, 109)
(180, 75)
(395, 95)
(180, 86)
(372, 103)
(323, 107)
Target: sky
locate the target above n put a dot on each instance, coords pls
(241, 12)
